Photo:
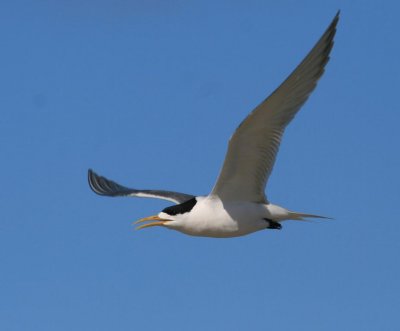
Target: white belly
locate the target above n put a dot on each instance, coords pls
(211, 217)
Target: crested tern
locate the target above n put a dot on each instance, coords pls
(237, 205)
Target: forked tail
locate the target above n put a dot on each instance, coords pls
(303, 217)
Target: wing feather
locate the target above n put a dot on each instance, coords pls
(253, 147)
(106, 187)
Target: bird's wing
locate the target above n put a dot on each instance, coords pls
(104, 186)
(253, 147)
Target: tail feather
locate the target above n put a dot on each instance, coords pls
(303, 217)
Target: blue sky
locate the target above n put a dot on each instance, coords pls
(148, 93)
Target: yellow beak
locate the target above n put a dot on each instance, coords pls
(160, 222)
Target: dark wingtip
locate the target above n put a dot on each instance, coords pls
(94, 182)
(103, 186)
(99, 184)
(335, 21)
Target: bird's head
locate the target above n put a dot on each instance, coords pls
(175, 213)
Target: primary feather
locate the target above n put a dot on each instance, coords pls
(103, 186)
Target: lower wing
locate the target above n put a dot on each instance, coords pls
(103, 186)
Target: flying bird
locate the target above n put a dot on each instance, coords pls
(237, 205)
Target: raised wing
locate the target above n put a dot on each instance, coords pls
(253, 147)
(104, 186)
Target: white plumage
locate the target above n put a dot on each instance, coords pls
(237, 205)
(212, 217)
